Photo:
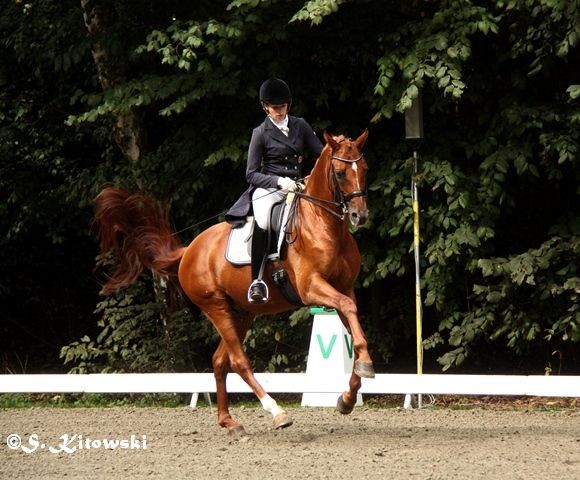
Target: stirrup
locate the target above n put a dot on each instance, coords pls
(258, 292)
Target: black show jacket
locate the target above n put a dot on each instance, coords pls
(272, 155)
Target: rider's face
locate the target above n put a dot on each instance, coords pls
(276, 112)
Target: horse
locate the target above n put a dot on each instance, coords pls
(322, 263)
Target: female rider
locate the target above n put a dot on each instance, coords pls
(275, 158)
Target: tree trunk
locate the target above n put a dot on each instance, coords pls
(129, 133)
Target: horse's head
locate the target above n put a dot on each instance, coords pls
(349, 175)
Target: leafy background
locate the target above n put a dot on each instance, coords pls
(161, 97)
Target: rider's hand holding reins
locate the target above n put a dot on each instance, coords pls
(287, 184)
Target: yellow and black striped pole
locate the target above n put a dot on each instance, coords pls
(414, 132)
(416, 237)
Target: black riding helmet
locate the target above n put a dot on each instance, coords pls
(275, 92)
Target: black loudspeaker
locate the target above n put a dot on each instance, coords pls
(414, 120)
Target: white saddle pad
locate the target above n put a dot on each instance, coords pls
(238, 249)
(240, 240)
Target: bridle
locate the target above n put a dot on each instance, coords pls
(341, 199)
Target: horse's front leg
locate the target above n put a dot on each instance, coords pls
(322, 293)
(362, 367)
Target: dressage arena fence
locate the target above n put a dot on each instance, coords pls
(195, 383)
(330, 361)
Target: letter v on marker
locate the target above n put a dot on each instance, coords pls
(325, 350)
(348, 341)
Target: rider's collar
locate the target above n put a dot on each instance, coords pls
(281, 125)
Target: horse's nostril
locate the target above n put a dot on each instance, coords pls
(361, 218)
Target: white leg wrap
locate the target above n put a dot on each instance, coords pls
(270, 405)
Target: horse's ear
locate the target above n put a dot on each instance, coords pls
(360, 141)
(331, 141)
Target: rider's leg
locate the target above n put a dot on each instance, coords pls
(262, 200)
(258, 291)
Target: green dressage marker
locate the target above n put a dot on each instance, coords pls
(326, 348)
(322, 311)
(330, 355)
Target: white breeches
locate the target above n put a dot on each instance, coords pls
(262, 200)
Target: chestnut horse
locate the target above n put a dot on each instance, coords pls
(322, 263)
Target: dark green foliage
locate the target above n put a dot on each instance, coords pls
(140, 334)
(280, 343)
(498, 179)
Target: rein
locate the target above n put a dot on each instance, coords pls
(322, 203)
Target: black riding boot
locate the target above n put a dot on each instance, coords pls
(258, 291)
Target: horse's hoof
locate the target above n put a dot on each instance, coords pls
(364, 369)
(282, 420)
(237, 431)
(343, 407)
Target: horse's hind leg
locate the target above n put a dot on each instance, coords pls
(221, 366)
(230, 354)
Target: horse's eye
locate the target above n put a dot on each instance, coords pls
(340, 174)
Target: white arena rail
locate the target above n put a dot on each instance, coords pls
(330, 358)
(441, 384)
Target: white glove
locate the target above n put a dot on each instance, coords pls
(287, 184)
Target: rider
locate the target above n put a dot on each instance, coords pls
(274, 164)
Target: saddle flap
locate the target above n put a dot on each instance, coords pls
(238, 250)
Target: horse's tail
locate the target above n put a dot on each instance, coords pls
(137, 229)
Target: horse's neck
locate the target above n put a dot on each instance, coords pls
(319, 182)
(320, 187)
